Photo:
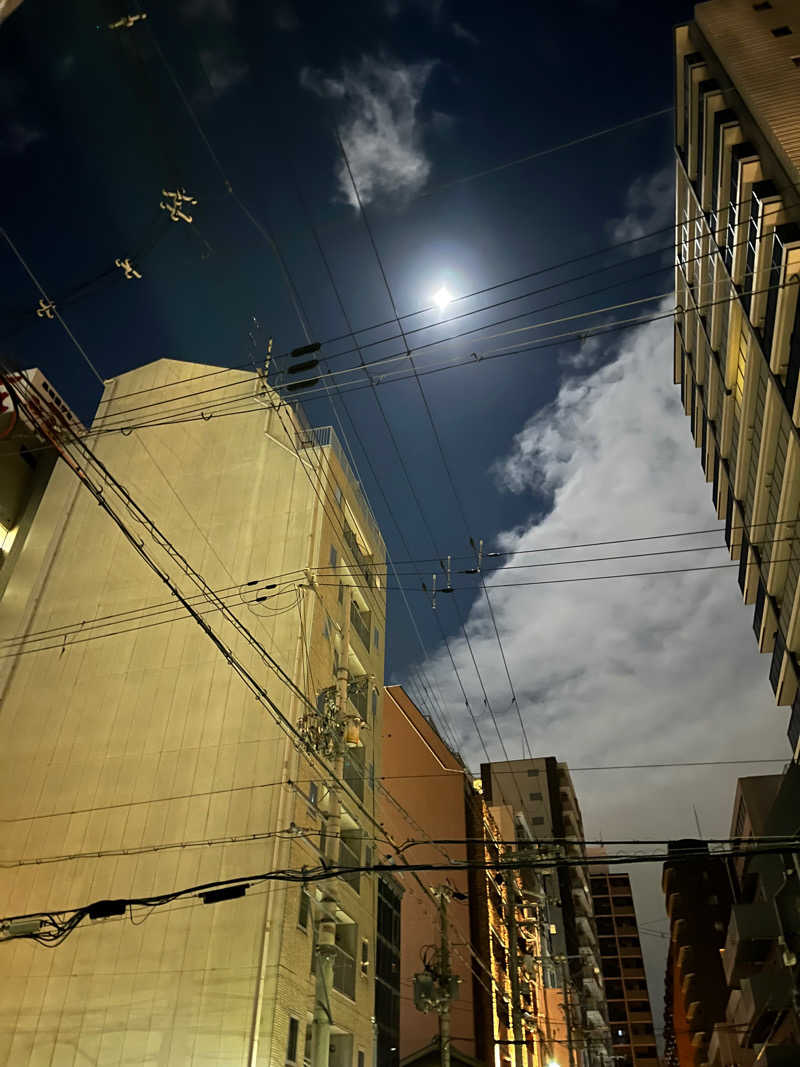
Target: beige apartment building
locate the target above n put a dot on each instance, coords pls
(737, 331)
(136, 762)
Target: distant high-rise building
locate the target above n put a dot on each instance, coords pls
(630, 1017)
(541, 790)
(737, 330)
(136, 762)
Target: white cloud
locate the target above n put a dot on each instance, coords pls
(636, 670)
(379, 125)
(222, 69)
(460, 30)
(18, 137)
(650, 205)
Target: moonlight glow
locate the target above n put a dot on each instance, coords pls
(442, 297)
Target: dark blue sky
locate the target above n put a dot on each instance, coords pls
(93, 127)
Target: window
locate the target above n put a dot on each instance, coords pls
(360, 1058)
(341, 593)
(765, 5)
(796, 60)
(338, 494)
(364, 957)
(291, 1044)
(313, 794)
(374, 703)
(781, 31)
(538, 820)
(377, 638)
(333, 556)
(304, 909)
(533, 773)
(535, 796)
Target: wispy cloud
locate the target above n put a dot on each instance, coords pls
(379, 122)
(460, 30)
(222, 69)
(650, 205)
(637, 670)
(17, 137)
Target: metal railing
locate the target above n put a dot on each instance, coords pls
(360, 622)
(344, 973)
(325, 437)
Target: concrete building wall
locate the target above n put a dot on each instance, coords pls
(120, 747)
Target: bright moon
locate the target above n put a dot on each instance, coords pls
(442, 298)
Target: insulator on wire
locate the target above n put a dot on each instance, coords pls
(305, 350)
(298, 368)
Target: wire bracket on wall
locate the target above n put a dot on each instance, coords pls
(127, 21)
(126, 266)
(175, 202)
(45, 309)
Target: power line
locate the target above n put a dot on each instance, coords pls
(207, 411)
(58, 923)
(51, 307)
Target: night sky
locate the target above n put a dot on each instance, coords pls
(582, 441)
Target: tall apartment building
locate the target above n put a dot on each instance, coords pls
(136, 762)
(630, 1015)
(762, 941)
(500, 947)
(697, 894)
(737, 331)
(541, 790)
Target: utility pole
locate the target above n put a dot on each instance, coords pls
(437, 986)
(568, 1011)
(444, 963)
(513, 967)
(337, 736)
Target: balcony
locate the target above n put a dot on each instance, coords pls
(360, 623)
(760, 999)
(344, 973)
(724, 1049)
(582, 903)
(752, 929)
(325, 437)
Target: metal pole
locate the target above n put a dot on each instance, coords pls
(513, 967)
(326, 926)
(444, 975)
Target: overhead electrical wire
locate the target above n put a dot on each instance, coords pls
(62, 921)
(211, 410)
(141, 618)
(479, 292)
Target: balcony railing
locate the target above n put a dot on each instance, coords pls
(344, 973)
(360, 622)
(325, 437)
